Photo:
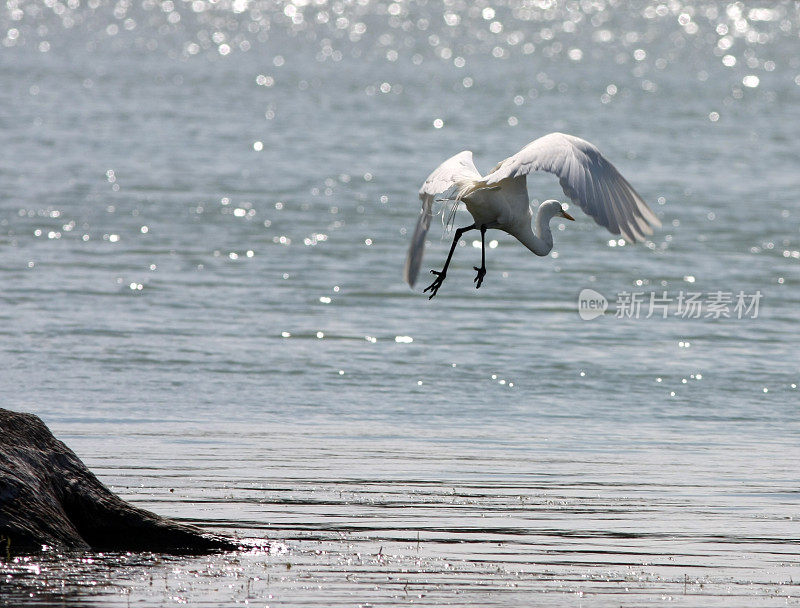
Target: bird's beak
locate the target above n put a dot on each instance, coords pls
(567, 215)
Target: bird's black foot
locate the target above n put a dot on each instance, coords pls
(478, 280)
(437, 283)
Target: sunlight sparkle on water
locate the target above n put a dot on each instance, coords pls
(220, 147)
(751, 81)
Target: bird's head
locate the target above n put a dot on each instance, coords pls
(555, 209)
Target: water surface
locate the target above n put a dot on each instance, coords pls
(204, 214)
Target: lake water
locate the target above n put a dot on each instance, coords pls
(204, 211)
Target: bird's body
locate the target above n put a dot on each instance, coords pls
(503, 204)
(499, 200)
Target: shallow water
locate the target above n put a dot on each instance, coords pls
(204, 216)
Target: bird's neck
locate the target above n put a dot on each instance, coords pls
(541, 241)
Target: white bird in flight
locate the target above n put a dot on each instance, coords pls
(499, 199)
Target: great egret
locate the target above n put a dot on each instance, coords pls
(500, 199)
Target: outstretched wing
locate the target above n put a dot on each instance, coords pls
(587, 178)
(457, 168)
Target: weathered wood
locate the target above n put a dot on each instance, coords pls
(49, 497)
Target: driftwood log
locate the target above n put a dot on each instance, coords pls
(49, 497)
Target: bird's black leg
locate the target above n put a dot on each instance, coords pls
(482, 270)
(440, 276)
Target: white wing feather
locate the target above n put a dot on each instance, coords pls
(455, 169)
(587, 178)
